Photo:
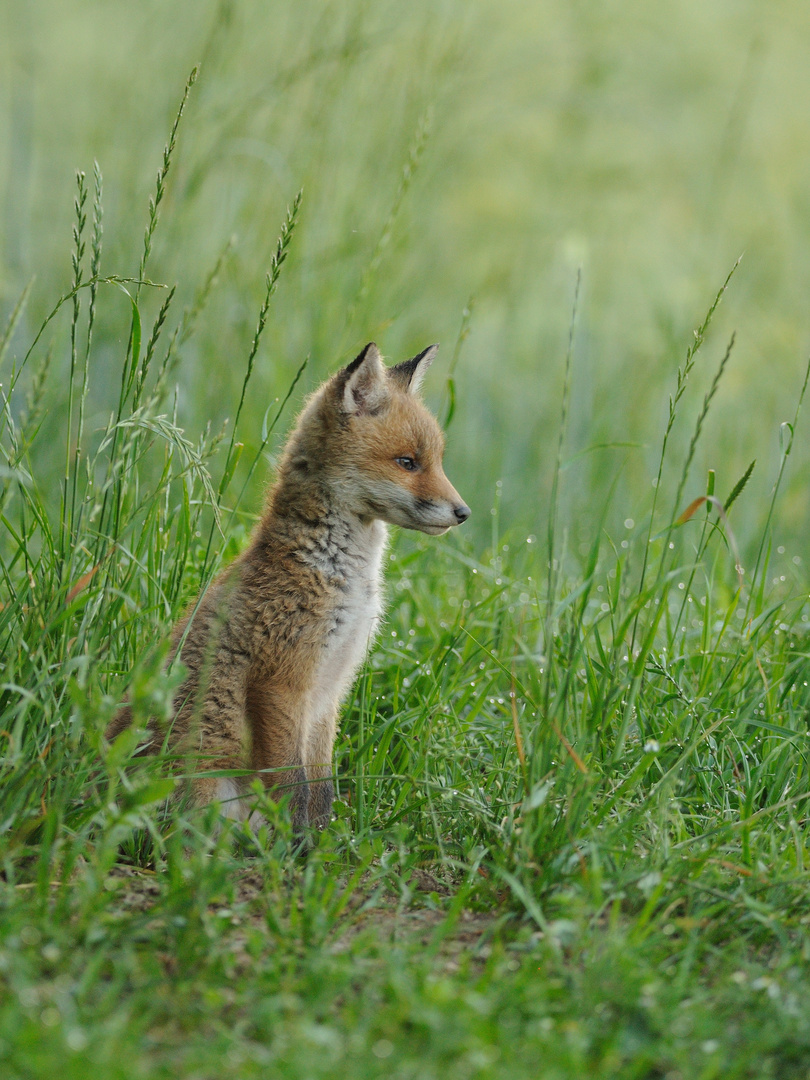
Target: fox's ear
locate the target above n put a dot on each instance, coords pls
(410, 374)
(365, 387)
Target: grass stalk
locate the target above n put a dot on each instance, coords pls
(271, 284)
(680, 388)
(552, 576)
(66, 522)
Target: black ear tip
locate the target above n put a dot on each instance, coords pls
(361, 356)
(366, 351)
(429, 351)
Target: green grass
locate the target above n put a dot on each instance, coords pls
(571, 834)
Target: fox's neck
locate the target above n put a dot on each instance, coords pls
(306, 512)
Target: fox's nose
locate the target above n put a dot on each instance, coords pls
(462, 512)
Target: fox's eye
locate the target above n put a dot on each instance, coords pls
(407, 463)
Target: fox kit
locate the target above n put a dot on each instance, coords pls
(274, 644)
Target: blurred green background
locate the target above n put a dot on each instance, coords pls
(447, 150)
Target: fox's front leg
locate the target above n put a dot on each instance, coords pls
(320, 768)
(277, 733)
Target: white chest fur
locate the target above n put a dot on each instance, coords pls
(353, 623)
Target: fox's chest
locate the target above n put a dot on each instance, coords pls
(350, 625)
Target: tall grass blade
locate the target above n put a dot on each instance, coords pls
(162, 176)
(680, 388)
(553, 567)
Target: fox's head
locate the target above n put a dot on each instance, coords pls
(367, 435)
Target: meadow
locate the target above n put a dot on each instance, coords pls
(571, 833)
